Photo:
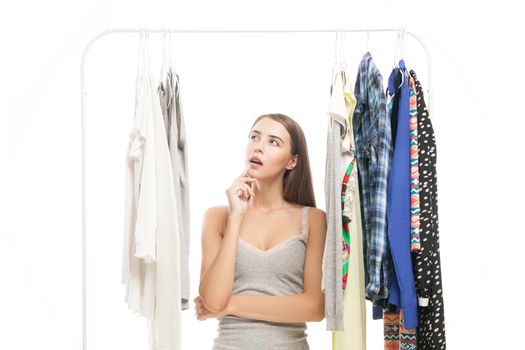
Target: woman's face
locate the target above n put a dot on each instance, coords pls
(270, 142)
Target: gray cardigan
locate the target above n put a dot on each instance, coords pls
(169, 94)
(332, 258)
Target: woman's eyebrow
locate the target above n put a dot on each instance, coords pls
(259, 133)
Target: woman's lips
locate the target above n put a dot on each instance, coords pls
(255, 165)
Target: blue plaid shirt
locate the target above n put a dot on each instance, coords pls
(373, 139)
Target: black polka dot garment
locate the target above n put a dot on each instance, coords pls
(426, 261)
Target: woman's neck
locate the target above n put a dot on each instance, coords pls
(269, 195)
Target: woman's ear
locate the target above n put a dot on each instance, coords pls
(293, 163)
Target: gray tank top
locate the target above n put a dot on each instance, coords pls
(276, 271)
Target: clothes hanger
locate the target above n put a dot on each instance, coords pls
(402, 55)
(342, 61)
(368, 40)
(402, 50)
(342, 71)
(339, 63)
(140, 55)
(336, 71)
(170, 63)
(163, 66)
(398, 52)
(144, 65)
(335, 61)
(147, 66)
(148, 61)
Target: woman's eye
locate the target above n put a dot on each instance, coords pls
(255, 136)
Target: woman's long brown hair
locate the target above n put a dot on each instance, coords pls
(297, 182)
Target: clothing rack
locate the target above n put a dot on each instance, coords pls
(94, 39)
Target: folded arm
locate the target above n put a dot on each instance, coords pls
(278, 308)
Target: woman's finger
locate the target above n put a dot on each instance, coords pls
(243, 189)
(247, 188)
(242, 193)
(247, 178)
(248, 184)
(248, 181)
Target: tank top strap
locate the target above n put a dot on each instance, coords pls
(304, 221)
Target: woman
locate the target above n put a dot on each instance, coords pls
(262, 255)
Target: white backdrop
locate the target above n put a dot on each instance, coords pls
(227, 80)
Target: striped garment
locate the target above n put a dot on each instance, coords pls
(415, 244)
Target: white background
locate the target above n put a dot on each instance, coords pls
(227, 81)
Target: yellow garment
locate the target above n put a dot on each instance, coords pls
(354, 335)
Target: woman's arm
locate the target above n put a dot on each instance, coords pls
(218, 257)
(305, 307)
(276, 308)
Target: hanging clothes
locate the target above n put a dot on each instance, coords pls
(170, 102)
(139, 253)
(392, 100)
(392, 96)
(427, 261)
(165, 91)
(158, 276)
(396, 336)
(415, 243)
(335, 169)
(373, 137)
(402, 286)
(165, 328)
(353, 282)
(349, 180)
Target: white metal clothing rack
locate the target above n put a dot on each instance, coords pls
(199, 30)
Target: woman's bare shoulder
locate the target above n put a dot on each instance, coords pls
(218, 210)
(316, 218)
(316, 213)
(217, 217)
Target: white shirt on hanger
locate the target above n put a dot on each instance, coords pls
(151, 259)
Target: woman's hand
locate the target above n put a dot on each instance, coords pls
(240, 193)
(203, 313)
